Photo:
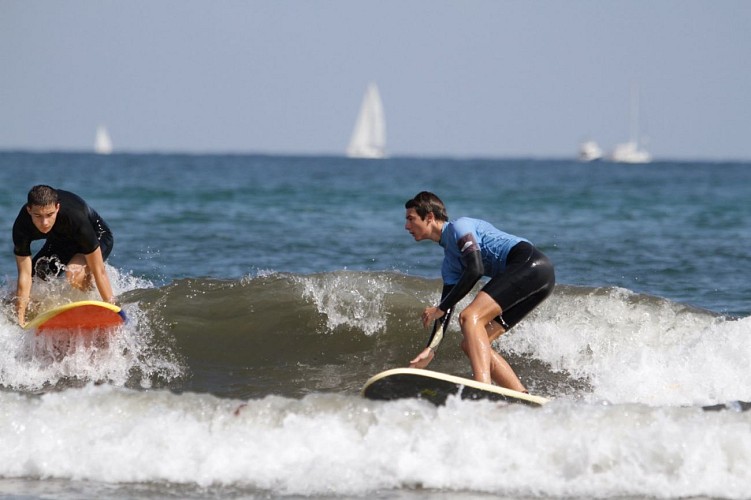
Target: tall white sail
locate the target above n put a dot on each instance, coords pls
(102, 143)
(369, 136)
(631, 152)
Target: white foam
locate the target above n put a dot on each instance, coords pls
(340, 445)
(637, 349)
(31, 362)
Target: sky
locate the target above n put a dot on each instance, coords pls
(461, 79)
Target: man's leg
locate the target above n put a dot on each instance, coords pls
(77, 273)
(500, 371)
(487, 364)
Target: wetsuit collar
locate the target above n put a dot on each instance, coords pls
(442, 240)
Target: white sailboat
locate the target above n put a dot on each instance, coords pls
(102, 143)
(590, 151)
(369, 136)
(630, 152)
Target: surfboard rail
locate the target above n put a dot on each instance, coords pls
(436, 387)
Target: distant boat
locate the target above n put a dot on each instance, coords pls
(589, 151)
(369, 136)
(102, 143)
(630, 152)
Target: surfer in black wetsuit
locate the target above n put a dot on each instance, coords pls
(521, 277)
(78, 241)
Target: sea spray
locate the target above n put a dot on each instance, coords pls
(132, 355)
(351, 299)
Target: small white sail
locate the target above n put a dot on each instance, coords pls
(369, 136)
(102, 143)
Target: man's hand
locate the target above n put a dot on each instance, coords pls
(423, 359)
(430, 314)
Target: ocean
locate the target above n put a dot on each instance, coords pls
(263, 291)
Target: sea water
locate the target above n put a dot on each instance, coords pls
(263, 291)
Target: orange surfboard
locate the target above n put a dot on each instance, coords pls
(85, 316)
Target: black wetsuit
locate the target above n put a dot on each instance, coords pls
(521, 276)
(77, 229)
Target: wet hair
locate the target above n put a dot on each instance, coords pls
(41, 196)
(426, 203)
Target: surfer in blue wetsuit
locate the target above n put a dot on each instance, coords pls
(521, 277)
(78, 241)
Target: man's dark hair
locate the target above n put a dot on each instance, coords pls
(41, 196)
(425, 203)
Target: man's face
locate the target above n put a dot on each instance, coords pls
(43, 217)
(417, 227)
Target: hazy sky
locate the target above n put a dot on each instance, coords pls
(459, 78)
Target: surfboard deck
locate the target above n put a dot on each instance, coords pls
(436, 387)
(81, 316)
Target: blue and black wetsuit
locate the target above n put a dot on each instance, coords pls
(77, 229)
(521, 276)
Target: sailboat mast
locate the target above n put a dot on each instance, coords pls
(634, 132)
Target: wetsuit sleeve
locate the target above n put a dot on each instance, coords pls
(472, 272)
(22, 234)
(440, 325)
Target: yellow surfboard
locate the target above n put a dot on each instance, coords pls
(82, 316)
(436, 387)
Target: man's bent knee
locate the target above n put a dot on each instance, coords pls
(472, 317)
(77, 276)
